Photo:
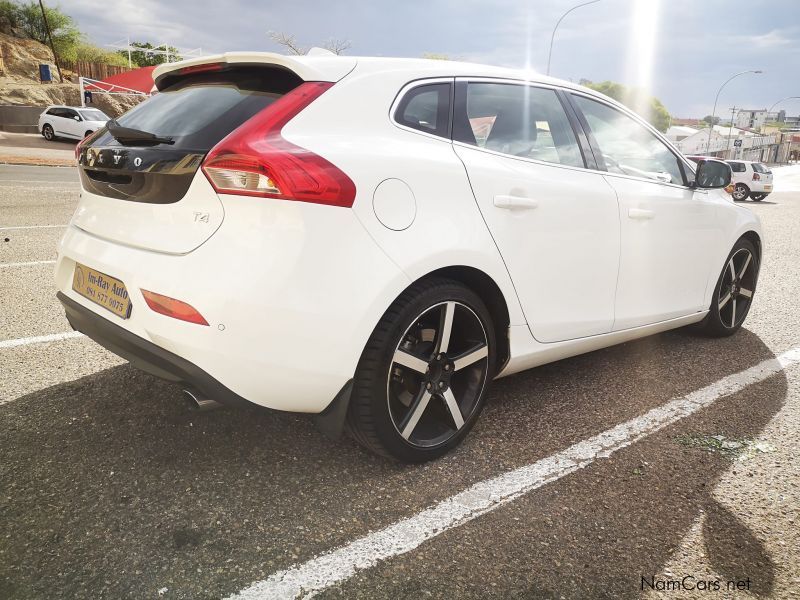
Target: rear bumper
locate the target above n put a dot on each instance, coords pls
(145, 355)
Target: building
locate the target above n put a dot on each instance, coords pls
(727, 142)
(755, 119)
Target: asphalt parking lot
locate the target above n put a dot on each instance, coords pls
(112, 486)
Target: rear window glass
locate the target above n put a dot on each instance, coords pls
(199, 110)
(759, 168)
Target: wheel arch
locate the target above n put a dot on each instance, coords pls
(754, 239)
(487, 289)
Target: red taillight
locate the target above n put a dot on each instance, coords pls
(173, 308)
(756, 177)
(254, 160)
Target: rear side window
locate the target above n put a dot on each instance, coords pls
(199, 110)
(519, 120)
(426, 108)
(737, 167)
(55, 112)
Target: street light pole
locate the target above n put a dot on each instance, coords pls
(553, 36)
(714, 112)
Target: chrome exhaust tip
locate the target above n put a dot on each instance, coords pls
(200, 402)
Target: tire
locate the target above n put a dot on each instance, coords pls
(419, 408)
(48, 133)
(740, 192)
(731, 303)
(757, 197)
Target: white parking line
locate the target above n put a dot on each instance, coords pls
(27, 264)
(34, 227)
(338, 565)
(55, 337)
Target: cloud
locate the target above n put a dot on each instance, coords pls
(699, 44)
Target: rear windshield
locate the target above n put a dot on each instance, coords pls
(199, 110)
(759, 168)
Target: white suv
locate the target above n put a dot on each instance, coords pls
(751, 179)
(374, 240)
(70, 122)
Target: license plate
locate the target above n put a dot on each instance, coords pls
(109, 292)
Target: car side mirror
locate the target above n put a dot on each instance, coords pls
(77, 118)
(712, 174)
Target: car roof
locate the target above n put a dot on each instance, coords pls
(321, 65)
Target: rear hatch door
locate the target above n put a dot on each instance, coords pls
(150, 193)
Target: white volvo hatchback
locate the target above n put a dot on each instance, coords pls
(374, 240)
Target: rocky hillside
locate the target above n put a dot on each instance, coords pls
(19, 79)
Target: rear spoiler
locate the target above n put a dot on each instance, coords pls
(329, 67)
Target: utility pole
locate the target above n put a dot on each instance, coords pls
(130, 64)
(50, 37)
(730, 130)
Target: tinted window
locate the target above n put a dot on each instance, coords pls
(199, 110)
(54, 111)
(519, 120)
(426, 108)
(627, 147)
(737, 167)
(69, 113)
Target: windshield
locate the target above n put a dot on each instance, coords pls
(94, 115)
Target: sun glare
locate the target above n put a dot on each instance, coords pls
(641, 50)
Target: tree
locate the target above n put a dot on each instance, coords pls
(711, 120)
(146, 58)
(335, 45)
(634, 98)
(91, 53)
(28, 18)
(435, 56)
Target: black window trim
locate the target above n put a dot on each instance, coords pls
(407, 89)
(461, 86)
(682, 161)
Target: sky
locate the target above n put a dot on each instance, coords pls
(682, 51)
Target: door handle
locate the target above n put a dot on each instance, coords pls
(515, 202)
(641, 213)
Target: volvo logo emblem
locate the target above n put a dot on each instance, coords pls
(137, 162)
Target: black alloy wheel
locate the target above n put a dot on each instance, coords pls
(423, 375)
(734, 292)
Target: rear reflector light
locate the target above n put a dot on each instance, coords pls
(756, 176)
(170, 307)
(255, 160)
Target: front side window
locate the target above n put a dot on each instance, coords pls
(426, 108)
(627, 147)
(518, 120)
